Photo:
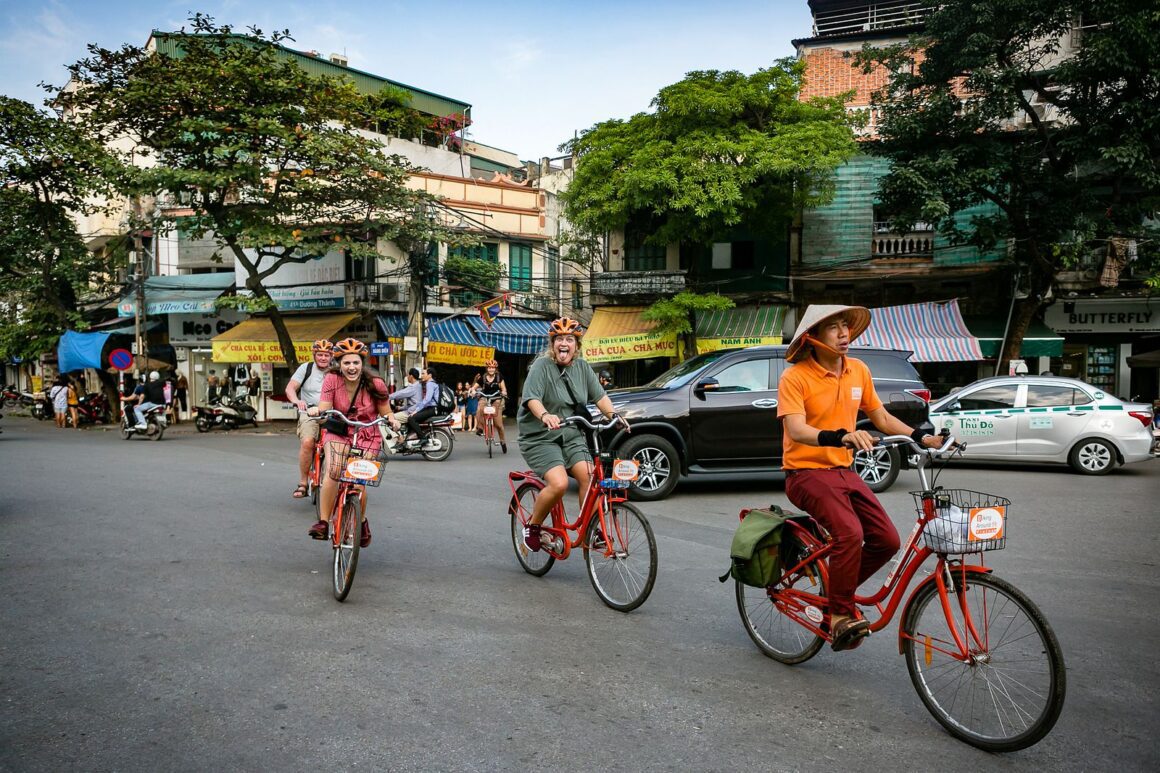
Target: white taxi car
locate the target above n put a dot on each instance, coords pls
(1046, 419)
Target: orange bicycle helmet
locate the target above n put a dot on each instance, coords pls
(491, 364)
(322, 345)
(565, 326)
(350, 346)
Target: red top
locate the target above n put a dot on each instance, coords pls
(366, 408)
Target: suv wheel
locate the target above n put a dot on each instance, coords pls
(659, 466)
(879, 468)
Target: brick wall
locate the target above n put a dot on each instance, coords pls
(831, 71)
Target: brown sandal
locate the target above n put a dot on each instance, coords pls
(849, 633)
(301, 491)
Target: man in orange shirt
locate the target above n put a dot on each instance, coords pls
(818, 401)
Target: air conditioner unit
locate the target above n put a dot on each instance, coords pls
(390, 292)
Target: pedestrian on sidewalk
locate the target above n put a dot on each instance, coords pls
(59, 396)
(73, 405)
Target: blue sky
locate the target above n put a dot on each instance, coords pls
(534, 72)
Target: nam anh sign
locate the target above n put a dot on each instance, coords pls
(740, 342)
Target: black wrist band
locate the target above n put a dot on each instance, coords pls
(831, 437)
(918, 435)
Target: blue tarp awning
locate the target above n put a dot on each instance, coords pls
(77, 351)
(393, 324)
(180, 294)
(451, 330)
(513, 335)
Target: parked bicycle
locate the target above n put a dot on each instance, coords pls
(620, 550)
(981, 655)
(488, 428)
(360, 464)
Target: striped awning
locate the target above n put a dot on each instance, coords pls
(450, 330)
(392, 325)
(934, 332)
(513, 335)
(739, 326)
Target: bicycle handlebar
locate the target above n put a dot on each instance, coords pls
(898, 440)
(350, 422)
(597, 427)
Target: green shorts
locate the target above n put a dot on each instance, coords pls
(564, 448)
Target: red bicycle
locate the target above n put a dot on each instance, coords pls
(981, 655)
(489, 414)
(620, 550)
(355, 466)
(314, 477)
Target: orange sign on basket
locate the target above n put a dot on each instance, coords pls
(625, 469)
(986, 523)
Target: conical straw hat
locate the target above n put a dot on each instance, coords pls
(857, 316)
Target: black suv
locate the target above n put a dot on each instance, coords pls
(717, 412)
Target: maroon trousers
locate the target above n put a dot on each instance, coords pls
(841, 501)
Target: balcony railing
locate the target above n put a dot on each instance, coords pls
(918, 243)
(869, 18)
(642, 283)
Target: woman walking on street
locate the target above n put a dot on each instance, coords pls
(59, 396)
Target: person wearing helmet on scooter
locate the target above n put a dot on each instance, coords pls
(148, 395)
(560, 384)
(354, 391)
(303, 391)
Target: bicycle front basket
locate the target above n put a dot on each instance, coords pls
(965, 521)
(355, 464)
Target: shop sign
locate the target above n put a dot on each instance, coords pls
(459, 354)
(257, 351)
(630, 347)
(1104, 316)
(317, 283)
(200, 329)
(713, 344)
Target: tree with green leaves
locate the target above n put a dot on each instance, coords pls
(269, 159)
(49, 172)
(1045, 110)
(718, 150)
(678, 315)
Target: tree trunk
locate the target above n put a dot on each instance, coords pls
(1024, 312)
(285, 342)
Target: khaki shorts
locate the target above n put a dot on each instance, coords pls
(565, 448)
(308, 427)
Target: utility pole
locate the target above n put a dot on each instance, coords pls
(416, 306)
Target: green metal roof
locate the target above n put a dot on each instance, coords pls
(1040, 340)
(426, 102)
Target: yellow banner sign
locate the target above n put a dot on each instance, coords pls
(459, 354)
(713, 344)
(257, 351)
(630, 347)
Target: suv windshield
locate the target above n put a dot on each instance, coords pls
(683, 373)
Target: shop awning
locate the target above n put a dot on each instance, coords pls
(450, 340)
(181, 294)
(254, 340)
(513, 335)
(118, 326)
(392, 325)
(1040, 340)
(619, 333)
(76, 351)
(934, 332)
(738, 327)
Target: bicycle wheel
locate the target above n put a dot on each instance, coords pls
(534, 563)
(487, 430)
(346, 548)
(1008, 693)
(766, 612)
(622, 558)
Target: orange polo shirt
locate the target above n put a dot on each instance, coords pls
(828, 401)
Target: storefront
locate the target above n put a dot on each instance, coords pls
(191, 336)
(739, 327)
(620, 340)
(1100, 335)
(255, 343)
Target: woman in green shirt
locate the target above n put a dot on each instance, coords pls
(559, 384)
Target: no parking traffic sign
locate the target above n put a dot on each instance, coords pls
(121, 359)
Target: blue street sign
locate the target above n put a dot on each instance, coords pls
(380, 348)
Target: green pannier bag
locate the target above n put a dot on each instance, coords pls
(755, 553)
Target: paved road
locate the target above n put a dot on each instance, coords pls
(162, 609)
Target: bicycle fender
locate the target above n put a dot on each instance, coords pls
(972, 568)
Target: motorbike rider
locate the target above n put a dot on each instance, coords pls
(605, 379)
(303, 392)
(425, 407)
(406, 397)
(148, 395)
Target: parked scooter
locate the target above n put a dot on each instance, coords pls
(435, 443)
(41, 407)
(93, 408)
(154, 423)
(10, 397)
(228, 414)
